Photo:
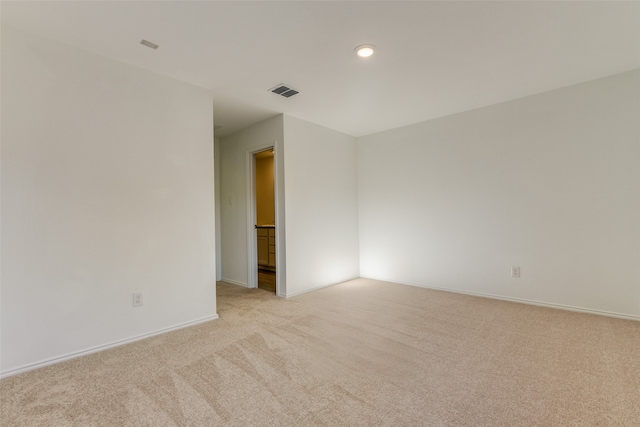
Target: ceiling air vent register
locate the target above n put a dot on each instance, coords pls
(147, 43)
(283, 90)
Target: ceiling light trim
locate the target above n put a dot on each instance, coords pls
(365, 50)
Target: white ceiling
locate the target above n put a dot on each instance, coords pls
(433, 58)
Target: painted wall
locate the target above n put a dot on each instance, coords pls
(107, 189)
(321, 205)
(216, 168)
(549, 183)
(265, 203)
(233, 197)
(318, 175)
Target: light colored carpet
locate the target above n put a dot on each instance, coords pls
(359, 353)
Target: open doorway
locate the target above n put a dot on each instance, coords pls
(265, 219)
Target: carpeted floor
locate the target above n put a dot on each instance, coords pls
(359, 353)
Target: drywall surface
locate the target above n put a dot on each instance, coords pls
(107, 189)
(549, 183)
(321, 205)
(216, 168)
(233, 197)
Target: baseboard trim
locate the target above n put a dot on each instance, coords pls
(518, 300)
(234, 282)
(305, 291)
(74, 355)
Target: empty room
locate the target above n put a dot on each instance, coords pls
(293, 213)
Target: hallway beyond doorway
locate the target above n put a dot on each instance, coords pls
(267, 280)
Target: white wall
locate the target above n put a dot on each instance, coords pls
(549, 183)
(316, 168)
(107, 189)
(216, 168)
(321, 205)
(233, 198)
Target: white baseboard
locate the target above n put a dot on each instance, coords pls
(74, 355)
(234, 282)
(518, 300)
(295, 294)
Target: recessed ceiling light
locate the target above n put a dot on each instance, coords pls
(365, 50)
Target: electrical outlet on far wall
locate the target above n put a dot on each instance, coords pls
(515, 272)
(137, 299)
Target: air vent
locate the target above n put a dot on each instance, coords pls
(283, 90)
(149, 44)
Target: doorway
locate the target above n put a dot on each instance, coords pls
(265, 219)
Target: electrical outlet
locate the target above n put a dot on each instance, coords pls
(515, 272)
(137, 299)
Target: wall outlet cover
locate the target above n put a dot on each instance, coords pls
(138, 299)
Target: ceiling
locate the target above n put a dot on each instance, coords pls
(433, 58)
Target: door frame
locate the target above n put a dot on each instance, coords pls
(252, 248)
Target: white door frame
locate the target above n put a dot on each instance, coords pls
(252, 249)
